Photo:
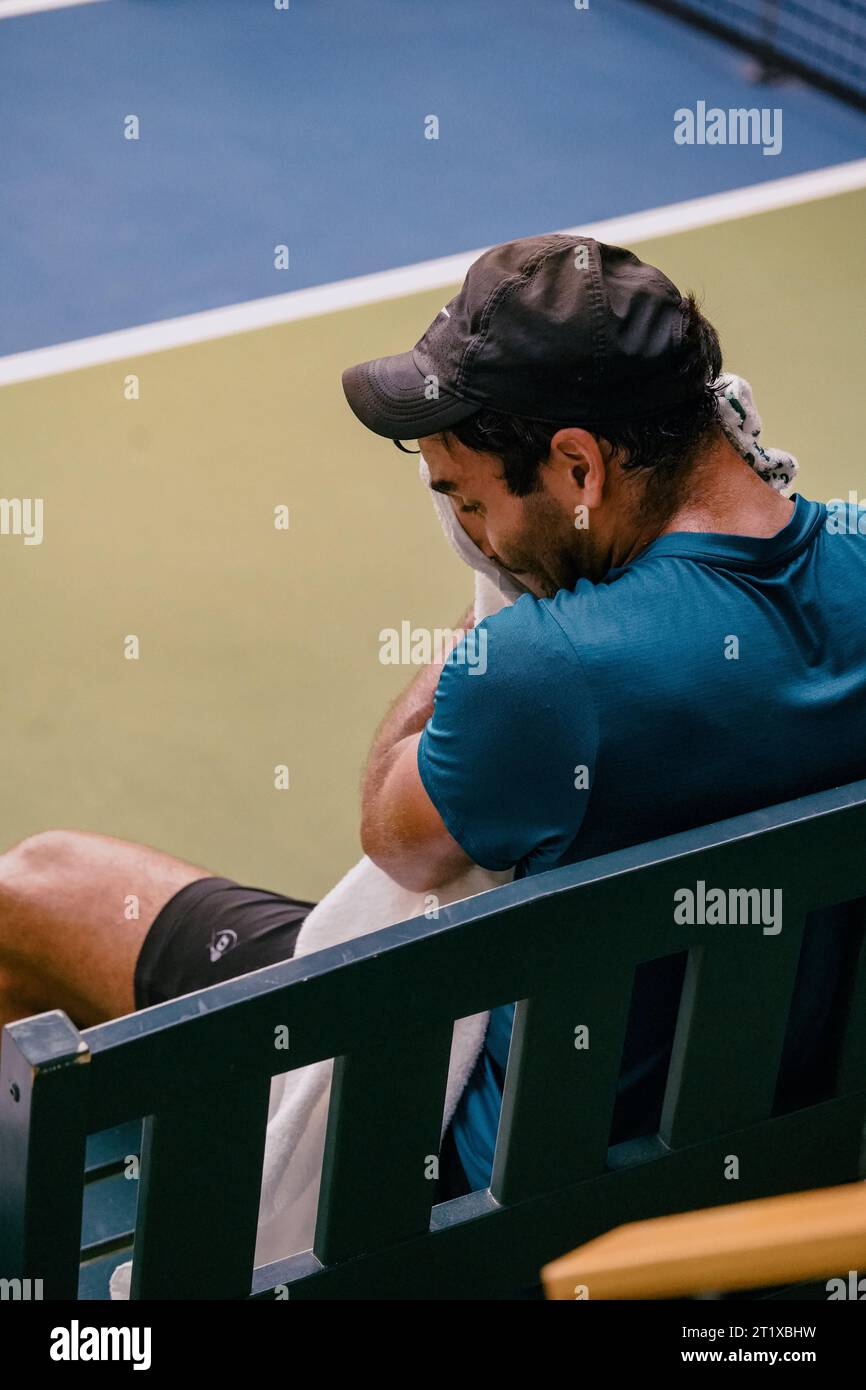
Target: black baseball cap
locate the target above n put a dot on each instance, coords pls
(558, 328)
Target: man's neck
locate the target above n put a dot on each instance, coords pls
(725, 494)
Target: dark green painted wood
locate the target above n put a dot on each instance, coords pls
(852, 1051)
(44, 1075)
(479, 1250)
(382, 1143)
(558, 1099)
(199, 1190)
(730, 1032)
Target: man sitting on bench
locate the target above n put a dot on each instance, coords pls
(691, 647)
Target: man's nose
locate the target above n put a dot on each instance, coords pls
(474, 528)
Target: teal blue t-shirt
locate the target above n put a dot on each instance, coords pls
(712, 675)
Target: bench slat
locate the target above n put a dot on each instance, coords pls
(558, 1099)
(199, 1191)
(384, 1125)
(852, 1053)
(731, 1031)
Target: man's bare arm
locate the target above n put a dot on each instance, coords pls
(401, 830)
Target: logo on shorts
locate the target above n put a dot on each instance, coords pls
(221, 942)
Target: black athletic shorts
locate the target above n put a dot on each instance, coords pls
(212, 930)
(215, 929)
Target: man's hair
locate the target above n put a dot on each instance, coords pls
(662, 445)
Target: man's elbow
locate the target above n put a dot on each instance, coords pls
(415, 866)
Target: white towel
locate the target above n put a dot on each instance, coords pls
(742, 426)
(366, 899)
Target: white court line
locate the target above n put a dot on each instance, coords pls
(10, 8)
(425, 275)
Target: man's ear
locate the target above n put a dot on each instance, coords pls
(577, 466)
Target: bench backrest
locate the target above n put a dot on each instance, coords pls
(564, 944)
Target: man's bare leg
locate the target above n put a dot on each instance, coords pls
(65, 942)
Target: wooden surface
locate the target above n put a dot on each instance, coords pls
(750, 1245)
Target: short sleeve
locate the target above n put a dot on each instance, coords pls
(508, 755)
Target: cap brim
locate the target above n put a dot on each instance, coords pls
(389, 396)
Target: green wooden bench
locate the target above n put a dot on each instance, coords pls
(192, 1076)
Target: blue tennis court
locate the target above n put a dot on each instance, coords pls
(306, 128)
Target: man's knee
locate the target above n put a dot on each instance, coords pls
(41, 855)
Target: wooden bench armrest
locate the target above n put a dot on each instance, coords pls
(775, 1240)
